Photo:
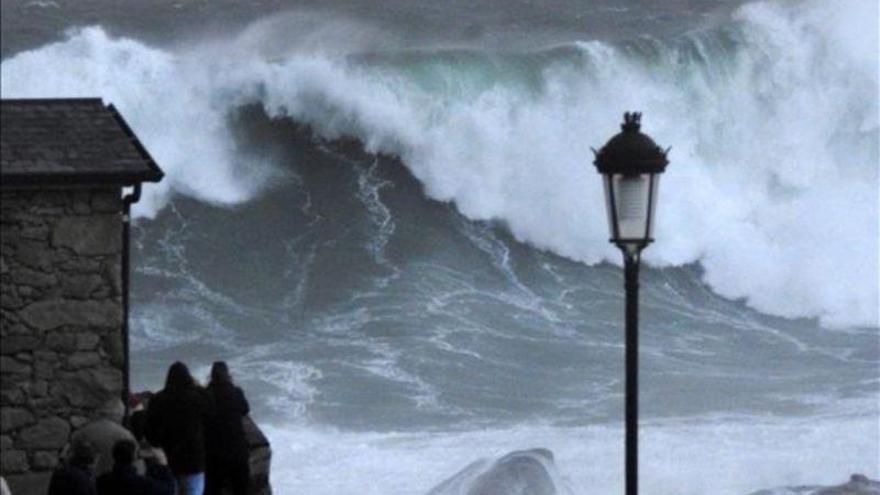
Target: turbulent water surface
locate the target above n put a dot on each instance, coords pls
(385, 219)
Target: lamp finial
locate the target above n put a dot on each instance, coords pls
(632, 121)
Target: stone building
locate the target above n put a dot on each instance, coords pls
(63, 269)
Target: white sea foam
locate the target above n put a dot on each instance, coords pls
(773, 186)
(293, 382)
(725, 458)
(174, 102)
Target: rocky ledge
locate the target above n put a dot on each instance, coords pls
(858, 484)
(260, 457)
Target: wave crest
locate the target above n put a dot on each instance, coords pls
(774, 174)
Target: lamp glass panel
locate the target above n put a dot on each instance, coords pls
(609, 207)
(631, 195)
(655, 185)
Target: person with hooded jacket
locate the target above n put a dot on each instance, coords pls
(175, 421)
(227, 445)
(76, 476)
(124, 478)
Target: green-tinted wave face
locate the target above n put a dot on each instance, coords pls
(465, 73)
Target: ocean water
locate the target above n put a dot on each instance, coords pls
(385, 218)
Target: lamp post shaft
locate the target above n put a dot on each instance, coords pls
(631, 274)
(631, 164)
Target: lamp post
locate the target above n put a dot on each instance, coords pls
(631, 164)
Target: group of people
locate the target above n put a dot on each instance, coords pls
(185, 440)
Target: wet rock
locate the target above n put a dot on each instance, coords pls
(107, 202)
(13, 461)
(78, 286)
(45, 459)
(12, 397)
(84, 359)
(260, 456)
(38, 233)
(49, 433)
(33, 278)
(9, 298)
(11, 366)
(36, 483)
(13, 344)
(87, 388)
(87, 341)
(522, 472)
(858, 484)
(13, 418)
(34, 254)
(61, 342)
(90, 236)
(53, 313)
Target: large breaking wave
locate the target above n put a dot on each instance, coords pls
(773, 120)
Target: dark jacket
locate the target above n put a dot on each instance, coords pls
(124, 480)
(176, 422)
(226, 439)
(72, 480)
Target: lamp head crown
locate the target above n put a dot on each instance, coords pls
(631, 151)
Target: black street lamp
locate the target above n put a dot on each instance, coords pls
(631, 164)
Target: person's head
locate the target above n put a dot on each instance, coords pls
(113, 410)
(124, 452)
(82, 453)
(220, 373)
(141, 400)
(178, 378)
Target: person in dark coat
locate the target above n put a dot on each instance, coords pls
(124, 478)
(227, 446)
(175, 422)
(76, 475)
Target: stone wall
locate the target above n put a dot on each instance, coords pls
(61, 349)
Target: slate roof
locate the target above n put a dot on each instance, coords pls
(70, 141)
